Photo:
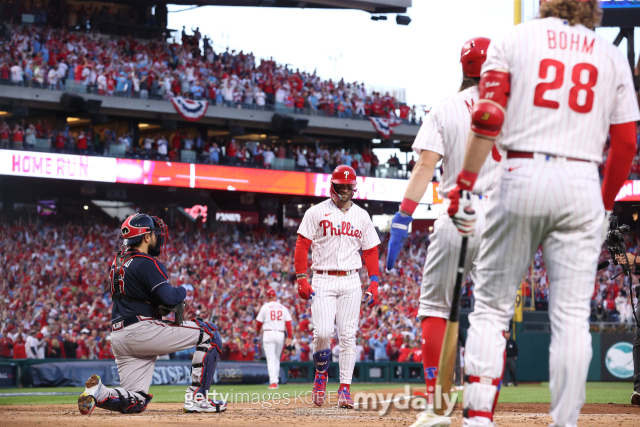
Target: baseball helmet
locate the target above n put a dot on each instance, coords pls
(271, 293)
(137, 225)
(473, 55)
(342, 175)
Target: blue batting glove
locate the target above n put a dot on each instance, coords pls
(399, 231)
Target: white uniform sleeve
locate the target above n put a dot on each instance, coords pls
(287, 315)
(309, 225)
(261, 317)
(430, 135)
(625, 109)
(496, 57)
(369, 236)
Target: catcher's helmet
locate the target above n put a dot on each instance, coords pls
(473, 55)
(342, 175)
(137, 225)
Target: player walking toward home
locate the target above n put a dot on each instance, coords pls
(141, 295)
(444, 136)
(273, 318)
(336, 230)
(555, 89)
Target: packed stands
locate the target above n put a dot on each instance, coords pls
(54, 285)
(80, 61)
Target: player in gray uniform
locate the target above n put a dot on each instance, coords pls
(141, 295)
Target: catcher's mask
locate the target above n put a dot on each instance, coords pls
(137, 225)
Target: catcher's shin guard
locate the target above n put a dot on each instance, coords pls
(205, 359)
(126, 402)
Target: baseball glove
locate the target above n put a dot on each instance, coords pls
(178, 309)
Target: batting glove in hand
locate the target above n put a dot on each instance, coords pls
(305, 291)
(371, 294)
(463, 217)
(398, 233)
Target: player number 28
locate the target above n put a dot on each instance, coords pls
(276, 316)
(557, 82)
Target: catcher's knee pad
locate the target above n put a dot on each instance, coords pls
(321, 359)
(203, 366)
(126, 402)
(211, 331)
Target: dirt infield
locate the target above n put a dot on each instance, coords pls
(170, 414)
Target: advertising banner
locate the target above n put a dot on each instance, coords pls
(189, 175)
(166, 372)
(617, 357)
(629, 192)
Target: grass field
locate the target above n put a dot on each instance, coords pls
(597, 392)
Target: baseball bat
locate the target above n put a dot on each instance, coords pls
(447, 362)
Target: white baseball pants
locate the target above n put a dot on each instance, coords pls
(337, 299)
(440, 268)
(273, 341)
(557, 204)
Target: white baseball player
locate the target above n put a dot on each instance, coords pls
(336, 230)
(566, 89)
(273, 318)
(444, 136)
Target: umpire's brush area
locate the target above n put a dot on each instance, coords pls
(597, 392)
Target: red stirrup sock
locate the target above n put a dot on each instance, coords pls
(432, 336)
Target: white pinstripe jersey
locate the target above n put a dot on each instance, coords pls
(445, 132)
(568, 85)
(273, 316)
(337, 237)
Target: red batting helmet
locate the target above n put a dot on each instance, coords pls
(271, 293)
(342, 175)
(473, 55)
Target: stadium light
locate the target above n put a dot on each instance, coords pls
(4, 113)
(403, 20)
(143, 125)
(72, 119)
(86, 208)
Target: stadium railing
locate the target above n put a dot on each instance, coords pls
(75, 86)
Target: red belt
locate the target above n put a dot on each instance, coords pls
(337, 272)
(527, 155)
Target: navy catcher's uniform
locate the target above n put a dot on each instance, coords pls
(139, 285)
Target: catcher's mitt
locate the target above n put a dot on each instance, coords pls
(178, 309)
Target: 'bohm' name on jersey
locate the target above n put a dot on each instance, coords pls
(560, 41)
(344, 230)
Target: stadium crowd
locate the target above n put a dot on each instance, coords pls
(56, 301)
(55, 58)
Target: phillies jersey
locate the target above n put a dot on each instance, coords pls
(445, 132)
(568, 85)
(273, 316)
(337, 238)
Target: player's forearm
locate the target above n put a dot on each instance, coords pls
(289, 328)
(478, 148)
(371, 261)
(623, 148)
(421, 175)
(301, 254)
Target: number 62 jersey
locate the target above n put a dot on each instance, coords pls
(274, 316)
(568, 85)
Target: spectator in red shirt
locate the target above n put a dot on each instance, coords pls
(18, 137)
(19, 350)
(6, 345)
(82, 142)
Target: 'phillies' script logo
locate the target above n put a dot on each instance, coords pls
(344, 230)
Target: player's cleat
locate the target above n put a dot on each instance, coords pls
(635, 398)
(273, 386)
(210, 405)
(344, 398)
(428, 418)
(318, 395)
(87, 400)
